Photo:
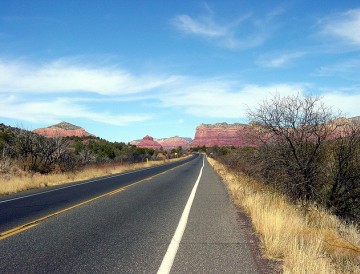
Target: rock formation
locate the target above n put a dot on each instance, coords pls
(135, 142)
(342, 127)
(148, 142)
(355, 119)
(174, 142)
(167, 143)
(223, 134)
(62, 129)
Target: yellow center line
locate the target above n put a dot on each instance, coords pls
(17, 231)
(35, 222)
(116, 191)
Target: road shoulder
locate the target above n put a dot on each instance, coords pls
(218, 237)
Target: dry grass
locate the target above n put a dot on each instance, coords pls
(24, 181)
(311, 241)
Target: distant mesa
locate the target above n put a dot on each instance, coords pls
(148, 142)
(135, 142)
(224, 134)
(341, 124)
(63, 129)
(220, 134)
(174, 142)
(165, 143)
(244, 135)
(355, 119)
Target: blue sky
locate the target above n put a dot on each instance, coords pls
(125, 69)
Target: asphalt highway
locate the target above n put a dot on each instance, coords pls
(126, 224)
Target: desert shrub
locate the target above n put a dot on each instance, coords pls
(244, 159)
(305, 152)
(344, 173)
(294, 129)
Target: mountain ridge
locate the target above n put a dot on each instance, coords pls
(63, 129)
(220, 134)
(65, 125)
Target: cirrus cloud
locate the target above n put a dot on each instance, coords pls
(59, 109)
(280, 60)
(241, 33)
(218, 98)
(344, 25)
(63, 76)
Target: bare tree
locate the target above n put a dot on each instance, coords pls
(86, 156)
(293, 130)
(4, 157)
(344, 197)
(24, 148)
(40, 154)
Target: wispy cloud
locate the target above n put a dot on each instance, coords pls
(346, 102)
(243, 32)
(280, 60)
(280, 10)
(348, 69)
(15, 107)
(64, 76)
(228, 99)
(203, 26)
(223, 98)
(23, 98)
(22, 84)
(345, 25)
(343, 31)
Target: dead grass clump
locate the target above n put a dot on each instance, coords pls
(306, 241)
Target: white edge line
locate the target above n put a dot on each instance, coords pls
(84, 183)
(169, 257)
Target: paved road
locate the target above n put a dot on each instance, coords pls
(128, 227)
(26, 206)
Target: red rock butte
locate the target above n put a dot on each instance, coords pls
(224, 134)
(167, 143)
(148, 142)
(174, 142)
(63, 129)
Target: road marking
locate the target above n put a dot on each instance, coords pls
(87, 182)
(116, 191)
(33, 223)
(169, 257)
(13, 232)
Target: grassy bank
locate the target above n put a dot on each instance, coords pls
(25, 181)
(310, 241)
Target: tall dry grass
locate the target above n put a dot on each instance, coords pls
(25, 181)
(305, 241)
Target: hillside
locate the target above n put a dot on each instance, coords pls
(63, 129)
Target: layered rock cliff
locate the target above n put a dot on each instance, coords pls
(166, 143)
(63, 129)
(174, 142)
(223, 134)
(135, 142)
(148, 142)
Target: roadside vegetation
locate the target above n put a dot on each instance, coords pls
(310, 240)
(28, 160)
(300, 185)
